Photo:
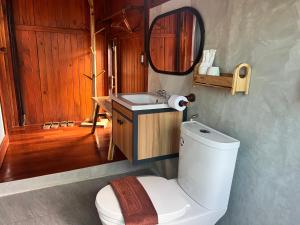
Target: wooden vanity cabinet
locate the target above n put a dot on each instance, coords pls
(146, 134)
(122, 134)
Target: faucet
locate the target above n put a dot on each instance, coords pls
(194, 116)
(162, 93)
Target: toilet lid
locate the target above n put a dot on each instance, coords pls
(165, 196)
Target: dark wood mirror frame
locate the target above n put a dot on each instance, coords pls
(201, 46)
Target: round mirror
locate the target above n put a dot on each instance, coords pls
(175, 42)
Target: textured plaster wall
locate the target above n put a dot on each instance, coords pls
(266, 34)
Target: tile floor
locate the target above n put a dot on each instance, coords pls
(70, 204)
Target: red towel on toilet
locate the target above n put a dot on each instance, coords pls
(134, 201)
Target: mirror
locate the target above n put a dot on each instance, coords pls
(175, 42)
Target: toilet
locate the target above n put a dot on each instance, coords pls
(200, 194)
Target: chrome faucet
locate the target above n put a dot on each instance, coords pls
(194, 116)
(162, 93)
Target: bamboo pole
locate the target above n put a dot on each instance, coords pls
(93, 77)
(93, 55)
(115, 77)
(93, 73)
(93, 49)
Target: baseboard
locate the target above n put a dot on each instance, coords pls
(3, 148)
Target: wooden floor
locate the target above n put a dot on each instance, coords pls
(35, 152)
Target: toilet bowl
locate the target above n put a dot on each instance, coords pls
(172, 205)
(161, 193)
(200, 194)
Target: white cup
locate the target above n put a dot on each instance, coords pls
(202, 70)
(213, 71)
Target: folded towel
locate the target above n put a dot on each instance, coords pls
(136, 206)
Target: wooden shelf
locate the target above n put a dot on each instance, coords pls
(235, 82)
(222, 81)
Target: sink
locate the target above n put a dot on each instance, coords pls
(141, 101)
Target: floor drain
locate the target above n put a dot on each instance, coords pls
(204, 131)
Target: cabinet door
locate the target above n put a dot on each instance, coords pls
(158, 134)
(116, 130)
(127, 136)
(123, 134)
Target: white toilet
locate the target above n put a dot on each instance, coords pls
(200, 194)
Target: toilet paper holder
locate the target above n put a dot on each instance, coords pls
(191, 98)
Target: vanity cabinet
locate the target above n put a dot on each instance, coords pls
(122, 133)
(146, 134)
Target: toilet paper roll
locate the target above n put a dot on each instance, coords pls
(174, 100)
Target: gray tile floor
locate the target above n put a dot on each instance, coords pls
(70, 204)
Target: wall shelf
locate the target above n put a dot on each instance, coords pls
(234, 82)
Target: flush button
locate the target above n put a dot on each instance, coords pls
(181, 141)
(204, 131)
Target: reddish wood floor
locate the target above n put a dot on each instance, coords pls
(35, 152)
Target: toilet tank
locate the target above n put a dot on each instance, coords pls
(206, 164)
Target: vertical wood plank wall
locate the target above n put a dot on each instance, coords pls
(163, 43)
(131, 70)
(7, 93)
(54, 52)
(53, 49)
(101, 49)
(186, 56)
(132, 74)
(165, 35)
(154, 3)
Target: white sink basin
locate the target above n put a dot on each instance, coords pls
(141, 101)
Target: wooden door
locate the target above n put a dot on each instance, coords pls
(132, 71)
(53, 45)
(3, 74)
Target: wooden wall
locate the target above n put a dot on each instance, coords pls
(155, 3)
(132, 74)
(171, 42)
(3, 72)
(7, 89)
(132, 71)
(186, 56)
(54, 52)
(163, 43)
(53, 49)
(101, 48)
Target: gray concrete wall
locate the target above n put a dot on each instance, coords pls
(266, 34)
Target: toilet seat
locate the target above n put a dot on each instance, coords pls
(165, 196)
